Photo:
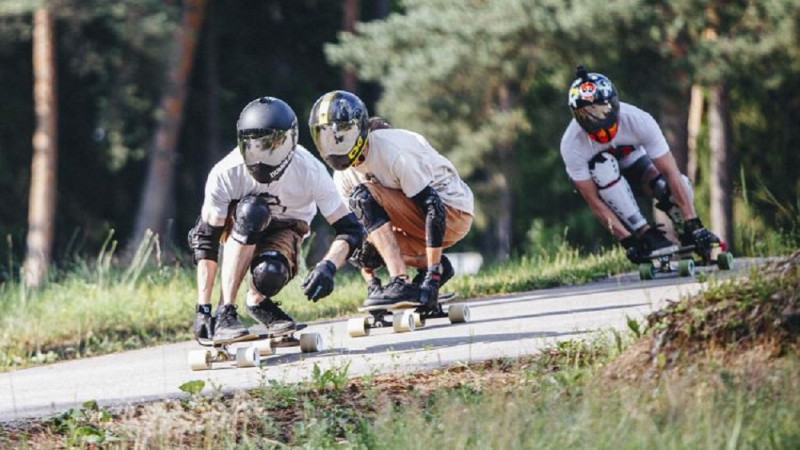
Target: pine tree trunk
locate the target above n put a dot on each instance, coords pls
(156, 205)
(695, 120)
(42, 201)
(721, 163)
(500, 181)
(349, 18)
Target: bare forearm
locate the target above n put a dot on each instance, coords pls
(338, 252)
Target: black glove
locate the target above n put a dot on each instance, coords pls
(695, 232)
(366, 257)
(634, 249)
(319, 282)
(429, 288)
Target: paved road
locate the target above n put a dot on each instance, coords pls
(503, 326)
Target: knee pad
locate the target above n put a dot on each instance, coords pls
(368, 211)
(270, 271)
(664, 200)
(251, 219)
(615, 191)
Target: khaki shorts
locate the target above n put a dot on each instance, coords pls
(284, 236)
(408, 221)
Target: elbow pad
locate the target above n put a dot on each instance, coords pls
(204, 241)
(350, 230)
(435, 216)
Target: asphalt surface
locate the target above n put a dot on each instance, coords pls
(501, 326)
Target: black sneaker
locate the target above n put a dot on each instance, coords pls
(269, 314)
(398, 290)
(656, 244)
(447, 272)
(227, 324)
(203, 323)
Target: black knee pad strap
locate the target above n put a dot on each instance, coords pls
(252, 218)
(367, 210)
(270, 271)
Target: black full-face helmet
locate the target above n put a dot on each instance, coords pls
(339, 124)
(267, 133)
(594, 104)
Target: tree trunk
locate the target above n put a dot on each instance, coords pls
(349, 19)
(215, 149)
(673, 122)
(719, 122)
(500, 181)
(157, 202)
(42, 201)
(695, 121)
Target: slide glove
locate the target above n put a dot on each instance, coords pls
(429, 288)
(319, 282)
(695, 232)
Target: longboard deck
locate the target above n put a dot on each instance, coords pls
(262, 335)
(444, 298)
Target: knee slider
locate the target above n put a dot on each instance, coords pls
(270, 271)
(252, 218)
(661, 192)
(368, 211)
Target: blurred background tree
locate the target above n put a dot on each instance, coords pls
(485, 81)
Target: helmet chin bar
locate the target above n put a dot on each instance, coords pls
(264, 173)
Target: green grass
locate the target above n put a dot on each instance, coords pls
(94, 307)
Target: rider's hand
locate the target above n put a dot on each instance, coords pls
(319, 282)
(634, 249)
(429, 288)
(695, 232)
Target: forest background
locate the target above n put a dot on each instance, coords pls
(112, 113)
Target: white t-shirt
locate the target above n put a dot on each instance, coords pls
(637, 134)
(303, 187)
(402, 159)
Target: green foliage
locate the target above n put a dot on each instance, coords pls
(193, 387)
(330, 379)
(83, 426)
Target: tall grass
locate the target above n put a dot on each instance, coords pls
(674, 413)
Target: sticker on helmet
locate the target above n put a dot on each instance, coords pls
(587, 91)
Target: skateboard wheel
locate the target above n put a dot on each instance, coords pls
(647, 271)
(725, 261)
(248, 357)
(265, 348)
(403, 321)
(358, 327)
(199, 360)
(419, 321)
(686, 267)
(458, 313)
(310, 342)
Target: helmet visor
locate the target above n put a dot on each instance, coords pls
(339, 143)
(596, 116)
(270, 147)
